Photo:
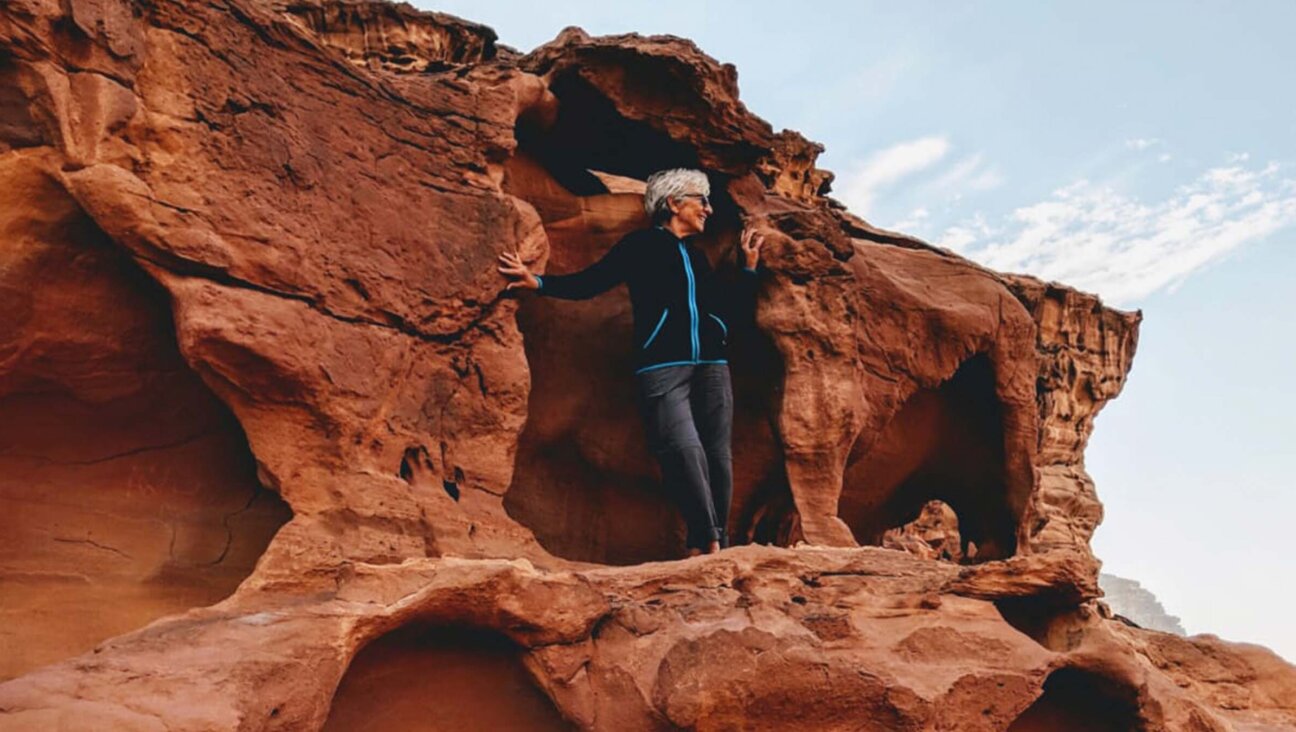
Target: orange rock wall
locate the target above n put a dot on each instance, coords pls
(1085, 353)
(127, 490)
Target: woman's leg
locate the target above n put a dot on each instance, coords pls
(711, 401)
(673, 438)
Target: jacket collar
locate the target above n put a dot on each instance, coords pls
(665, 233)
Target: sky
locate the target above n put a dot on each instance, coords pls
(1143, 151)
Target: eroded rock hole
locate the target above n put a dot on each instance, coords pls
(412, 463)
(1079, 701)
(451, 488)
(416, 468)
(1051, 622)
(589, 134)
(127, 490)
(945, 444)
(584, 480)
(428, 679)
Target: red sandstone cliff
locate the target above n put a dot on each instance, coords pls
(267, 419)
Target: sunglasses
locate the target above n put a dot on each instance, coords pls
(706, 202)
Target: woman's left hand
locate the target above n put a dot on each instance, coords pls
(751, 246)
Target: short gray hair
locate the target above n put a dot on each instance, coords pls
(673, 183)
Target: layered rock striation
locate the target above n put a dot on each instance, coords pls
(278, 449)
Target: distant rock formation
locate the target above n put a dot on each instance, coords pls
(255, 347)
(1131, 600)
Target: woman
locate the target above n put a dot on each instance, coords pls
(680, 330)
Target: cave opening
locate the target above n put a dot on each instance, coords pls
(1075, 700)
(1052, 622)
(946, 444)
(584, 481)
(128, 491)
(589, 134)
(423, 678)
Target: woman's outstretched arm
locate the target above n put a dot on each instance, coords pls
(595, 279)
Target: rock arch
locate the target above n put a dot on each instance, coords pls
(1076, 700)
(947, 444)
(422, 678)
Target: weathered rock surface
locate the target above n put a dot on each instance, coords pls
(1084, 354)
(127, 490)
(933, 535)
(255, 343)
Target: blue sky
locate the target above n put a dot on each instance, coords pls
(1144, 151)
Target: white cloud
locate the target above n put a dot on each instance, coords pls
(969, 174)
(1097, 239)
(862, 185)
(914, 221)
(858, 187)
(1164, 158)
(963, 235)
(1142, 143)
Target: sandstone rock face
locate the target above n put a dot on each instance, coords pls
(127, 489)
(256, 348)
(933, 535)
(1085, 352)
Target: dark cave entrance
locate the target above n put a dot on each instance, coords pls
(1080, 701)
(588, 134)
(423, 678)
(945, 444)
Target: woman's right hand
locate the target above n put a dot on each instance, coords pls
(511, 266)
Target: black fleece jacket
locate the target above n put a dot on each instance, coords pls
(682, 312)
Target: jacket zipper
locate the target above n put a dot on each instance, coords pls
(692, 295)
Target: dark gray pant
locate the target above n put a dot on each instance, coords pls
(688, 418)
